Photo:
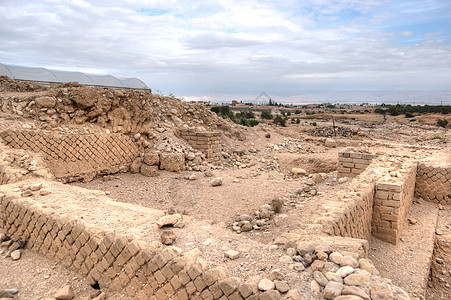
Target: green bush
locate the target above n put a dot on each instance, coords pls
(314, 123)
(442, 122)
(253, 123)
(409, 115)
(298, 121)
(280, 121)
(298, 112)
(393, 110)
(266, 114)
(437, 137)
(412, 120)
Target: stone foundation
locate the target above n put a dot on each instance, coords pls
(127, 257)
(75, 156)
(392, 203)
(207, 142)
(434, 183)
(351, 164)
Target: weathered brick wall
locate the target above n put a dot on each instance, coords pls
(375, 203)
(351, 164)
(434, 183)
(118, 262)
(391, 205)
(350, 215)
(75, 156)
(207, 142)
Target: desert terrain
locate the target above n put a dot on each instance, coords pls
(248, 204)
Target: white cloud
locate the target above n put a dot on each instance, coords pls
(226, 46)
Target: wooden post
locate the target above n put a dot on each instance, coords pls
(333, 122)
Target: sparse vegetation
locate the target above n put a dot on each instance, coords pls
(266, 114)
(245, 118)
(442, 122)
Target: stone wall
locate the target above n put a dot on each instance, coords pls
(205, 141)
(391, 205)
(351, 164)
(375, 203)
(135, 265)
(434, 183)
(75, 156)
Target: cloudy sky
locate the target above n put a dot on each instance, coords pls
(233, 48)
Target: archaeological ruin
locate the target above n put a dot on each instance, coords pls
(150, 197)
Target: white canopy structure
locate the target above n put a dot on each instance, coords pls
(55, 76)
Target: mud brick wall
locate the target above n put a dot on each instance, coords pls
(391, 205)
(118, 262)
(350, 215)
(75, 156)
(434, 183)
(351, 164)
(207, 142)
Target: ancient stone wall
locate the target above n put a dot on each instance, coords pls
(75, 156)
(391, 205)
(352, 164)
(205, 141)
(434, 183)
(126, 264)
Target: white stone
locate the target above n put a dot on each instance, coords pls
(266, 285)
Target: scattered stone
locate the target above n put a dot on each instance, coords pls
(330, 143)
(232, 254)
(332, 290)
(305, 248)
(343, 180)
(380, 292)
(282, 286)
(35, 187)
(285, 259)
(353, 290)
(268, 135)
(349, 261)
(44, 192)
(167, 237)
(315, 287)
(412, 221)
(348, 297)
(320, 278)
(294, 294)
(247, 226)
(266, 285)
(66, 293)
(334, 277)
(336, 257)
(299, 267)
(168, 220)
(16, 254)
(216, 181)
(27, 193)
(345, 271)
(299, 171)
(318, 265)
(357, 279)
(330, 267)
(322, 255)
(270, 295)
(367, 265)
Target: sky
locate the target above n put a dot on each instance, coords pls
(223, 49)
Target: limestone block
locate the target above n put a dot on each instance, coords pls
(173, 162)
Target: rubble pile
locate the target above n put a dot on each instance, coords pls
(328, 131)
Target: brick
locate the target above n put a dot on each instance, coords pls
(167, 288)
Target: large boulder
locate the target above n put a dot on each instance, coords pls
(45, 102)
(151, 158)
(149, 171)
(173, 162)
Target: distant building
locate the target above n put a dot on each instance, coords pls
(234, 103)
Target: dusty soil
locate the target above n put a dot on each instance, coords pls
(39, 277)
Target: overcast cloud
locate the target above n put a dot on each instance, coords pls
(238, 48)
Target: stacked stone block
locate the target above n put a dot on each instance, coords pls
(207, 142)
(115, 261)
(75, 155)
(434, 183)
(351, 164)
(391, 205)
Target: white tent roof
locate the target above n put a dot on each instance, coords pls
(47, 75)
